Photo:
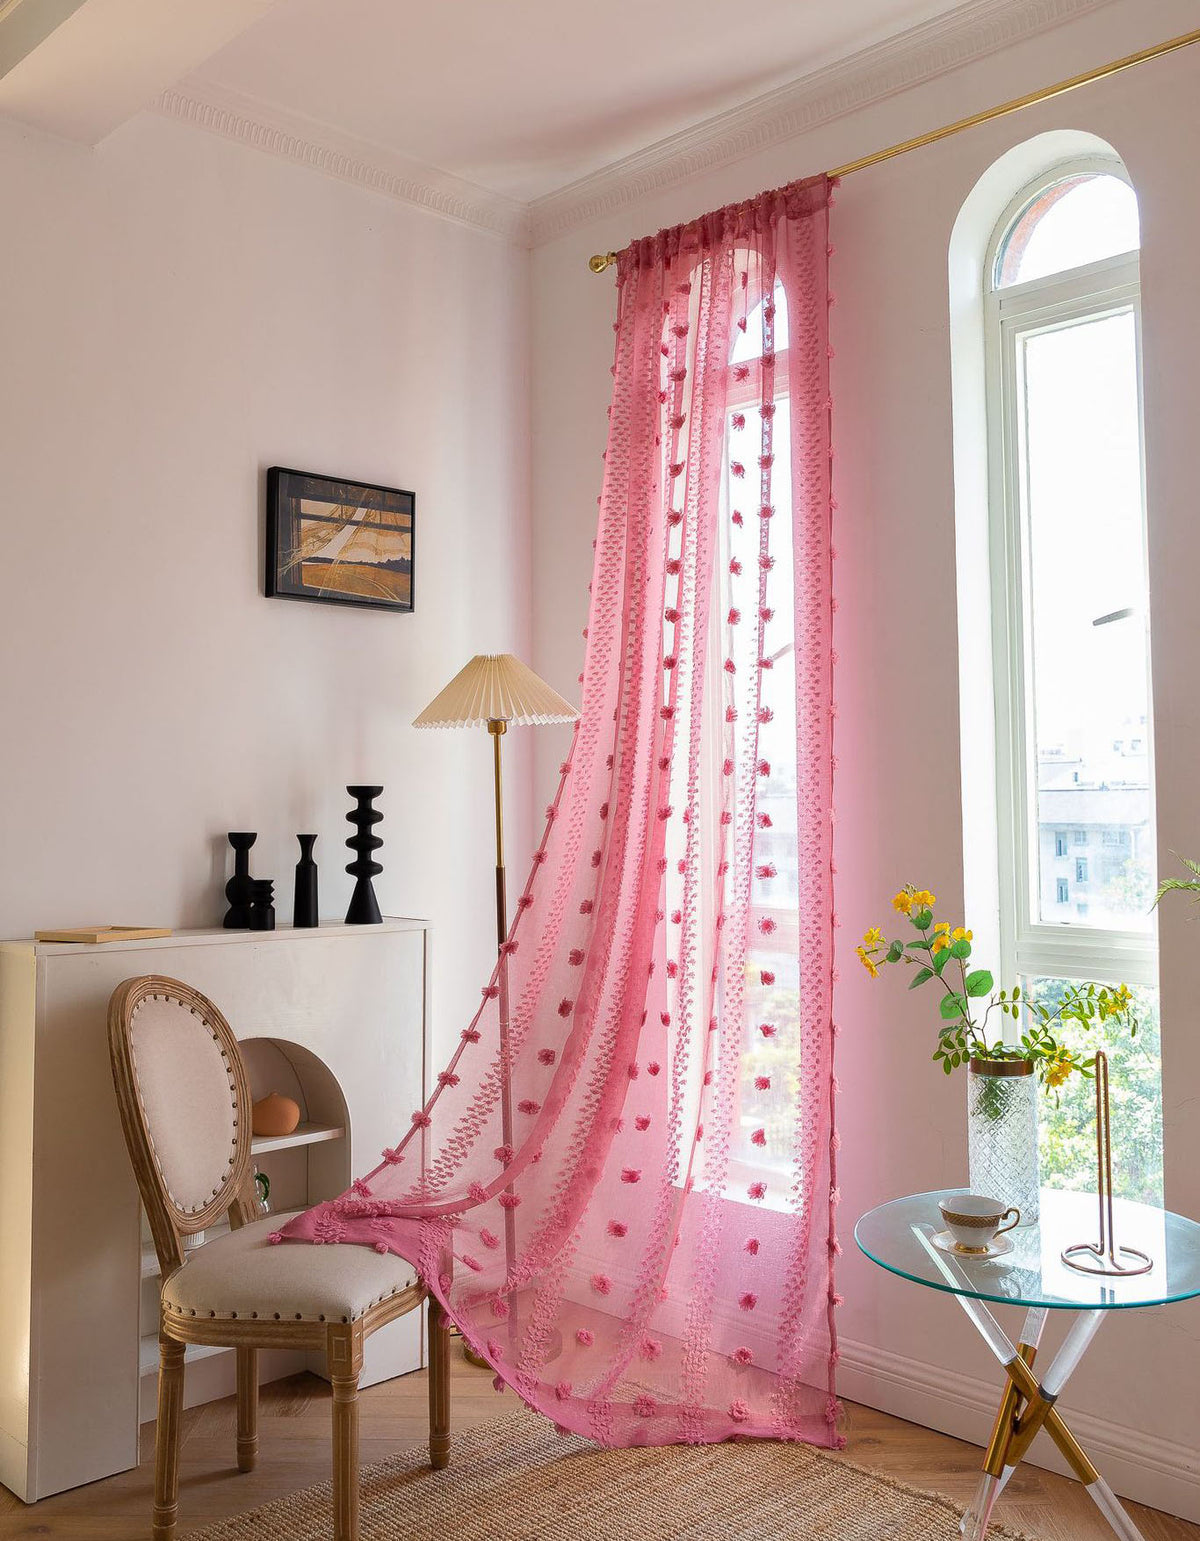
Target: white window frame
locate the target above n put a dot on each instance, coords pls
(1031, 948)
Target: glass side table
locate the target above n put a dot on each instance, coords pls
(898, 1236)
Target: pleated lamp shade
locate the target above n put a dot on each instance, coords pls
(495, 687)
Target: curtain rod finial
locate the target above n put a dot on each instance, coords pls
(602, 260)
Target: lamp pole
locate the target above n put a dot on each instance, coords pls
(497, 727)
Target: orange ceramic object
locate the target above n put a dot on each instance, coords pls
(274, 1116)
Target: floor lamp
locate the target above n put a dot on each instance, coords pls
(496, 691)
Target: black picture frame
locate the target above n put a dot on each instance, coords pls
(376, 525)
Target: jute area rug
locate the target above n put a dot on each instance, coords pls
(515, 1479)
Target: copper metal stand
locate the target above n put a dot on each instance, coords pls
(1104, 1257)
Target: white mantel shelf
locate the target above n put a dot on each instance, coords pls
(208, 936)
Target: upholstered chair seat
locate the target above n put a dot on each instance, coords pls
(244, 1276)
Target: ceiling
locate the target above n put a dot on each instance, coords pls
(523, 97)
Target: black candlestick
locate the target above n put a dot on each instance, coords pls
(304, 908)
(237, 890)
(364, 907)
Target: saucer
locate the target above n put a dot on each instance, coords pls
(998, 1247)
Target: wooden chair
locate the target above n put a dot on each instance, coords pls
(184, 1100)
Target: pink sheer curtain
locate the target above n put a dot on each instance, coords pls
(642, 1242)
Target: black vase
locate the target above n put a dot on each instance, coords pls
(262, 905)
(304, 907)
(237, 890)
(364, 907)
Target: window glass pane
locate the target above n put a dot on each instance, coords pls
(1067, 1125)
(748, 339)
(772, 996)
(1093, 859)
(1081, 219)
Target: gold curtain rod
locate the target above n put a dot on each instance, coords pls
(603, 260)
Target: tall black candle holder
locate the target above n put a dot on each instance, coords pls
(364, 906)
(304, 905)
(238, 888)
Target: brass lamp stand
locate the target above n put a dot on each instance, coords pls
(496, 690)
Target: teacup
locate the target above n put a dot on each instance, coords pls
(975, 1221)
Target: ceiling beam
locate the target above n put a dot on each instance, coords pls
(80, 68)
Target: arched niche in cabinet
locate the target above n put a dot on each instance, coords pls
(312, 1163)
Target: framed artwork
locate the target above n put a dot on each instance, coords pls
(339, 542)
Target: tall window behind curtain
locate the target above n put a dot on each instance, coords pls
(1071, 636)
(770, 1022)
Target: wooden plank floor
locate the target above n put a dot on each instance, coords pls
(295, 1452)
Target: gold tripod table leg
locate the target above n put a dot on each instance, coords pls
(1005, 1427)
(997, 1458)
(1073, 1452)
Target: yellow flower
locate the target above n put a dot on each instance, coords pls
(903, 902)
(867, 962)
(961, 934)
(874, 937)
(923, 899)
(941, 937)
(1058, 1069)
(1118, 1001)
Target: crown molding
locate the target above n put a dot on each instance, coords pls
(908, 59)
(306, 142)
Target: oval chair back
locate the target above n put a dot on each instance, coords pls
(184, 1100)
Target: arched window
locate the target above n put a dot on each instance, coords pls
(1078, 218)
(1070, 619)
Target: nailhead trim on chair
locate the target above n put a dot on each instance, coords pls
(181, 1311)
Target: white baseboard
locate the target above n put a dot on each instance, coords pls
(1144, 1467)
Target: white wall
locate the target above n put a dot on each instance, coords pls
(177, 313)
(903, 1126)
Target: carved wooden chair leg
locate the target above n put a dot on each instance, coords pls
(166, 1438)
(439, 1386)
(247, 1408)
(345, 1363)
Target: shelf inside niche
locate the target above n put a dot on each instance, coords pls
(304, 1134)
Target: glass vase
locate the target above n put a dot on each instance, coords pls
(1002, 1132)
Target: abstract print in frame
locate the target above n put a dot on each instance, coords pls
(341, 542)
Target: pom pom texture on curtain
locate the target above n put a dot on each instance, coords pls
(647, 1257)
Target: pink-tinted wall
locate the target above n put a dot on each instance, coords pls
(177, 313)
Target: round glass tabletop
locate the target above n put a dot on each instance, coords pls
(899, 1237)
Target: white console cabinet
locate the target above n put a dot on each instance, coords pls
(335, 1017)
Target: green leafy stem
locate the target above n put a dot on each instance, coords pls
(940, 954)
